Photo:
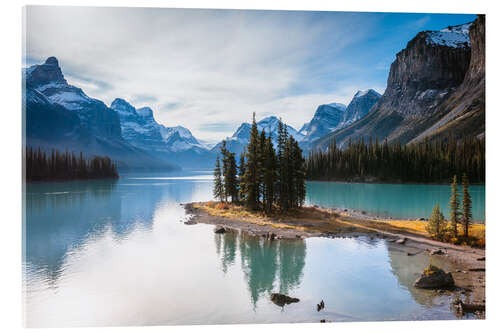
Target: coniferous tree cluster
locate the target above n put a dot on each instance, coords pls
(460, 213)
(42, 166)
(434, 162)
(265, 177)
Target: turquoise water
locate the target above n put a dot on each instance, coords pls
(118, 253)
(391, 200)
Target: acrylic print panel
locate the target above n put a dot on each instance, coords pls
(279, 166)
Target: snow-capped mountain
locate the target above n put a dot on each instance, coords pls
(239, 140)
(140, 129)
(453, 36)
(359, 106)
(96, 118)
(335, 116)
(326, 119)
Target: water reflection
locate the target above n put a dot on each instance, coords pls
(408, 268)
(268, 266)
(62, 217)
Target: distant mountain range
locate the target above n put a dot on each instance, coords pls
(62, 116)
(435, 88)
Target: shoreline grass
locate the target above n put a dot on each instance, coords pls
(320, 220)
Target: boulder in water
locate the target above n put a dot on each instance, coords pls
(435, 278)
(281, 300)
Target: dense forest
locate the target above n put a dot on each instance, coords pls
(426, 162)
(266, 178)
(42, 166)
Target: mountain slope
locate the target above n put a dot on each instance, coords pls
(422, 80)
(140, 129)
(59, 115)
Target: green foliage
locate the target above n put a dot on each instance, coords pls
(251, 178)
(265, 178)
(65, 166)
(218, 183)
(436, 226)
(454, 207)
(418, 163)
(466, 206)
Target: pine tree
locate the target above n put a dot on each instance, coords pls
(241, 178)
(225, 168)
(218, 185)
(300, 174)
(466, 206)
(454, 207)
(269, 180)
(436, 227)
(251, 178)
(230, 177)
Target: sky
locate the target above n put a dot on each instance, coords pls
(208, 70)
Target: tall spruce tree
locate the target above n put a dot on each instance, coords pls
(218, 185)
(466, 206)
(269, 181)
(251, 178)
(454, 207)
(241, 177)
(225, 167)
(230, 177)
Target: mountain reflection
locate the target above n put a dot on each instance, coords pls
(263, 262)
(62, 217)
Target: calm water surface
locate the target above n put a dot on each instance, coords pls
(118, 253)
(392, 200)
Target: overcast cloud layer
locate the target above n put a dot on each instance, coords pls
(208, 70)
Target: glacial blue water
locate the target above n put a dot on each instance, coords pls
(118, 253)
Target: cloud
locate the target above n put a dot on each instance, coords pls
(207, 70)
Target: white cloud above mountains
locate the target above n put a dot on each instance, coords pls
(206, 70)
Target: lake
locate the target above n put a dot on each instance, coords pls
(101, 253)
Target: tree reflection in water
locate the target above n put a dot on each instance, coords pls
(268, 266)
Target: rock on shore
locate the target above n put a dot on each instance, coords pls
(435, 278)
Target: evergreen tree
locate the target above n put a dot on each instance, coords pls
(230, 177)
(241, 177)
(269, 181)
(218, 184)
(251, 178)
(454, 207)
(436, 227)
(466, 206)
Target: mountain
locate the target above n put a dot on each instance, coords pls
(62, 116)
(360, 105)
(427, 90)
(332, 117)
(140, 129)
(325, 120)
(239, 140)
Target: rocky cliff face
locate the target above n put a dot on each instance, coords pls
(423, 79)
(463, 112)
